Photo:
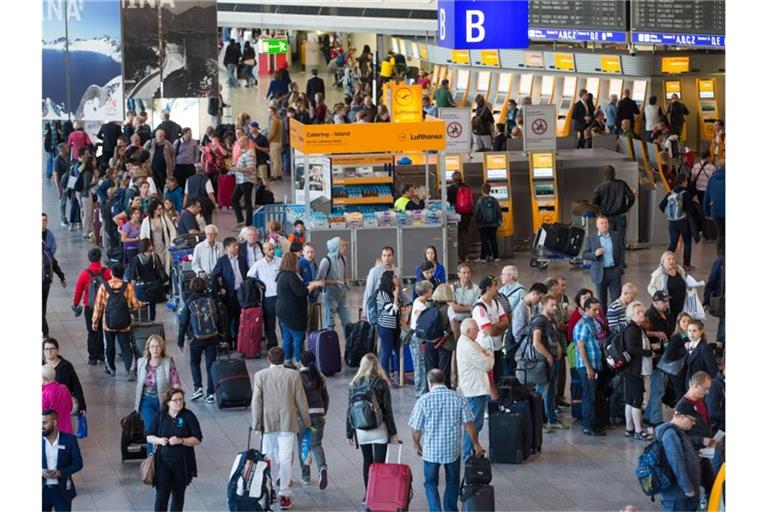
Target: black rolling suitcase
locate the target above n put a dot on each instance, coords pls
(143, 329)
(507, 439)
(478, 498)
(360, 340)
(232, 384)
(537, 417)
(133, 442)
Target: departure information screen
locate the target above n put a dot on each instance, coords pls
(579, 20)
(678, 22)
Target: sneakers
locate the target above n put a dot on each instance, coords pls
(496, 260)
(305, 479)
(285, 503)
(109, 371)
(323, 482)
(210, 399)
(559, 425)
(132, 375)
(548, 428)
(63, 224)
(197, 394)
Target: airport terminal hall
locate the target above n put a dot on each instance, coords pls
(384, 255)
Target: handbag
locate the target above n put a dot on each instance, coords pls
(147, 469)
(82, 425)
(672, 367)
(693, 305)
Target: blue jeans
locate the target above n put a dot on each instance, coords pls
(49, 158)
(653, 412)
(547, 392)
(334, 303)
(387, 347)
(248, 72)
(432, 480)
(293, 343)
(231, 75)
(681, 505)
(477, 406)
(587, 399)
(149, 407)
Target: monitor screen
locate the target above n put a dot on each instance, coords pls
(565, 103)
(505, 83)
(707, 106)
(542, 172)
(500, 192)
(706, 95)
(496, 174)
(546, 189)
(483, 81)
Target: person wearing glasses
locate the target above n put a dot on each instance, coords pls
(682, 459)
(175, 432)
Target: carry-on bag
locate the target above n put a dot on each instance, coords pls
(232, 384)
(325, 345)
(389, 485)
(250, 332)
(250, 480)
(477, 498)
(537, 417)
(133, 442)
(361, 340)
(225, 187)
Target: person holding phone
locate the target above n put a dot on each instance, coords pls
(588, 364)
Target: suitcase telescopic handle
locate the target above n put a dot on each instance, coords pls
(399, 452)
(251, 431)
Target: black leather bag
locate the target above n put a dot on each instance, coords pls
(477, 471)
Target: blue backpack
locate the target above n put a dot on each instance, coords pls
(675, 209)
(653, 471)
(428, 326)
(203, 315)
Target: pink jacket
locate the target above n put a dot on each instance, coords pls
(78, 139)
(56, 396)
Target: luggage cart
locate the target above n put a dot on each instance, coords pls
(268, 212)
(541, 255)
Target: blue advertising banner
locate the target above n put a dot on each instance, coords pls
(715, 41)
(482, 24)
(568, 34)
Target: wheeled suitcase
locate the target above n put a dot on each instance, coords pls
(232, 384)
(187, 241)
(361, 340)
(537, 418)
(478, 498)
(250, 333)
(225, 187)
(521, 407)
(133, 442)
(389, 485)
(617, 402)
(325, 345)
(507, 440)
(142, 331)
(250, 481)
(576, 391)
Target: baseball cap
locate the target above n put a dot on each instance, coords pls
(254, 124)
(486, 282)
(685, 407)
(661, 295)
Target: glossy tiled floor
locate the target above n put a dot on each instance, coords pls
(573, 472)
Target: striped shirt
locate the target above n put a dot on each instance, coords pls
(616, 315)
(387, 310)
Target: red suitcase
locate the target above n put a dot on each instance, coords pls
(250, 332)
(225, 187)
(389, 485)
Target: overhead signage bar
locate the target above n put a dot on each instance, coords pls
(696, 40)
(571, 34)
(603, 21)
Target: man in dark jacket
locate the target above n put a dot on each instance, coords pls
(679, 224)
(171, 128)
(660, 330)
(627, 109)
(231, 61)
(108, 134)
(50, 267)
(700, 434)
(714, 205)
(676, 112)
(482, 125)
(61, 460)
(314, 85)
(716, 287)
(682, 459)
(228, 272)
(581, 117)
(614, 198)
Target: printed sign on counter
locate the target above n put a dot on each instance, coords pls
(458, 131)
(539, 133)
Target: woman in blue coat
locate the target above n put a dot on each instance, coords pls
(430, 255)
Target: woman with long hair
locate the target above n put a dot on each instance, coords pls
(442, 356)
(700, 355)
(156, 375)
(430, 255)
(370, 383)
(676, 350)
(388, 317)
(318, 401)
(601, 322)
(131, 234)
(175, 432)
(157, 227)
(242, 121)
(249, 61)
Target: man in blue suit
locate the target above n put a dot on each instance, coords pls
(61, 459)
(229, 271)
(606, 253)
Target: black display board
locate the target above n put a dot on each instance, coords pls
(579, 14)
(705, 17)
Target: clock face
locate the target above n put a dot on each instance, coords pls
(404, 97)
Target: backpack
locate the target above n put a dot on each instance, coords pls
(428, 326)
(116, 313)
(653, 470)
(250, 482)
(203, 316)
(251, 293)
(364, 410)
(371, 309)
(340, 59)
(213, 160)
(486, 211)
(675, 209)
(93, 287)
(464, 201)
(616, 354)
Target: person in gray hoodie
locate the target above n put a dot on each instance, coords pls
(682, 458)
(333, 270)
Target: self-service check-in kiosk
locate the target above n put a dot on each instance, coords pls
(614, 87)
(707, 107)
(592, 84)
(639, 88)
(565, 106)
(483, 84)
(461, 86)
(524, 87)
(546, 90)
(503, 90)
(544, 201)
(453, 163)
(496, 173)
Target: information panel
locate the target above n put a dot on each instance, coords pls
(678, 22)
(568, 20)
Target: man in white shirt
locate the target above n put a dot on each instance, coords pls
(207, 252)
(266, 270)
(473, 363)
(61, 459)
(492, 321)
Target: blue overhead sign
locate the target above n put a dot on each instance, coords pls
(567, 34)
(678, 39)
(482, 24)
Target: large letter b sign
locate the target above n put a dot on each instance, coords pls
(482, 24)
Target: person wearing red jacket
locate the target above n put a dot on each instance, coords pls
(95, 337)
(78, 139)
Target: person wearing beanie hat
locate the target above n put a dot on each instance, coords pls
(317, 398)
(682, 459)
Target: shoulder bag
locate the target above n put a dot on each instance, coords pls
(147, 469)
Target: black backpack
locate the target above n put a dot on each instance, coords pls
(616, 354)
(93, 287)
(428, 327)
(364, 410)
(116, 314)
(251, 293)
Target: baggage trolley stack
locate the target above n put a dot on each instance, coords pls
(181, 275)
(557, 242)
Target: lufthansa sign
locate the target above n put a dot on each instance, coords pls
(482, 24)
